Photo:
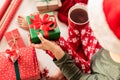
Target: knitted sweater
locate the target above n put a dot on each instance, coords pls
(102, 67)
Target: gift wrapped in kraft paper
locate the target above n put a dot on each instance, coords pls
(19, 64)
(45, 24)
(48, 5)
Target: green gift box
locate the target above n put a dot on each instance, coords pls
(52, 34)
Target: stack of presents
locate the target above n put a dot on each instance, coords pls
(20, 61)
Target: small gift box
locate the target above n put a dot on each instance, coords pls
(45, 24)
(48, 5)
(14, 39)
(24, 68)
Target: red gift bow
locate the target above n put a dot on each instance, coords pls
(14, 39)
(13, 54)
(46, 24)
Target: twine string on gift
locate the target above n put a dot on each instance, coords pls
(47, 1)
(46, 24)
(44, 0)
(14, 39)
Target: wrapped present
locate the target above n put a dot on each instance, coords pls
(14, 39)
(45, 24)
(48, 5)
(24, 68)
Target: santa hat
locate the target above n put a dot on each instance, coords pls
(104, 18)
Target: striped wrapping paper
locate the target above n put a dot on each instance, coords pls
(8, 16)
(4, 7)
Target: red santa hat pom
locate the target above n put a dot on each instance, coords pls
(104, 17)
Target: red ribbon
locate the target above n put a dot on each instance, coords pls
(46, 24)
(13, 55)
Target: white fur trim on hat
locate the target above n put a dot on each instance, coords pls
(100, 27)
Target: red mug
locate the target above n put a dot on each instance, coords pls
(77, 16)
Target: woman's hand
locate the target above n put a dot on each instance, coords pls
(49, 45)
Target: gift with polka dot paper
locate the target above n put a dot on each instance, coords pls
(24, 68)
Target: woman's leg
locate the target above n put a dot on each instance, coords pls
(22, 22)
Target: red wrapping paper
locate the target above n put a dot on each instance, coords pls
(4, 7)
(8, 16)
(14, 39)
(27, 63)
